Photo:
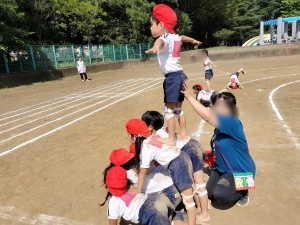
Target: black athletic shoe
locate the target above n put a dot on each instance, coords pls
(244, 201)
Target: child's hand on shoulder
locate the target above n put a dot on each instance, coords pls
(134, 190)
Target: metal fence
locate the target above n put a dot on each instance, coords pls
(48, 57)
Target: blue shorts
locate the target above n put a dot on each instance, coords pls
(173, 195)
(209, 74)
(156, 210)
(173, 85)
(181, 170)
(193, 150)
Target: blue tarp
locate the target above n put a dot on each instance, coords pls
(286, 20)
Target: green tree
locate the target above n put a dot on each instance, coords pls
(290, 8)
(79, 17)
(12, 33)
(224, 36)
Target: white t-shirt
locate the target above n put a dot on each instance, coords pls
(162, 156)
(81, 67)
(156, 180)
(204, 95)
(132, 176)
(163, 133)
(234, 78)
(169, 54)
(117, 208)
(208, 64)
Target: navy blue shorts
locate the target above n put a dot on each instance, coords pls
(173, 85)
(181, 170)
(156, 210)
(209, 74)
(193, 150)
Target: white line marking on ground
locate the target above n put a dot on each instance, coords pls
(74, 112)
(72, 122)
(199, 131)
(64, 100)
(16, 216)
(68, 102)
(292, 136)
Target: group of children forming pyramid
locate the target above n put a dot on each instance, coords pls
(162, 169)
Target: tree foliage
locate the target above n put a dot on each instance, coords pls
(290, 8)
(214, 22)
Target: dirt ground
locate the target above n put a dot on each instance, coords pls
(56, 138)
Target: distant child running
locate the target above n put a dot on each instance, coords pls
(208, 66)
(81, 68)
(234, 81)
(168, 46)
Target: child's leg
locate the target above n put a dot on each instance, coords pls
(200, 189)
(182, 121)
(81, 75)
(188, 201)
(171, 124)
(208, 85)
(85, 76)
(181, 172)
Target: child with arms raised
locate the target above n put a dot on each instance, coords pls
(167, 47)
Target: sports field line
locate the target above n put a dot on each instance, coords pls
(67, 103)
(60, 101)
(64, 109)
(292, 136)
(16, 216)
(41, 103)
(134, 86)
(73, 121)
(202, 122)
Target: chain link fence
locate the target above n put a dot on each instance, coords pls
(48, 57)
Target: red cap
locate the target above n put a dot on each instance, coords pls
(120, 156)
(234, 87)
(116, 181)
(132, 149)
(166, 15)
(137, 127)
(200, 86)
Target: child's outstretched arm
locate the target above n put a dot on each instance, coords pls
(158, 44)
(190, 40)
(240, 85)
(212, 64)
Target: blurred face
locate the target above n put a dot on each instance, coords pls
(220, 108)
(195, 91)
(233, 85)
(156, 29)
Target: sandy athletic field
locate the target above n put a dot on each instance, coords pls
(55, 138)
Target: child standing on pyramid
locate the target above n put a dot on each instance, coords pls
(167, 47)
